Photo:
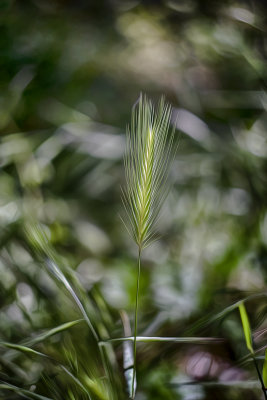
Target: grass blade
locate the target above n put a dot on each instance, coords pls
(246, 326)
(45, 252)
(248, 337)
(21, 348)
(30, 351)
(40, 243)
(45, 335)
(54, 269)
(150, 339)
(22, 392)
(248, 384)
(128, 357)
(264, 370)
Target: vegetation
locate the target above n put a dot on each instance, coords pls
(68, 300)
(146, 164)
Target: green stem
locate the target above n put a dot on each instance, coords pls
(260, 377)
(135, 320)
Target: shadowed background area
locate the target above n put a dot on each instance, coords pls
(70, 75)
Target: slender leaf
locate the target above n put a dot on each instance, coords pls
(22, 392)
(128, 356)
(246, 326)
(247, 384)
(149, 339)
(40, 243)
(51, 332)
(21, 348)
(30, 351)
(264, 370)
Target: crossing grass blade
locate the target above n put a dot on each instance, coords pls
(21, 348)
(30, 351)
(26, 394)
(150, 339)
(51, 332)
(212, 318)
(128, 358)
(248, 384)
(42, 248)
(40, 243)
(264, 370)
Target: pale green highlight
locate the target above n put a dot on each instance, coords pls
(248, 337)
(246, 327)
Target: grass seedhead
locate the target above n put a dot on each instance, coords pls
(147, 159)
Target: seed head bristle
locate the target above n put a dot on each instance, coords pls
(147, 159)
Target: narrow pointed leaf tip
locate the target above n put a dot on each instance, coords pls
(246, 326)
(147, 161)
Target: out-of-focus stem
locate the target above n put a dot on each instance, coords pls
(260, 377)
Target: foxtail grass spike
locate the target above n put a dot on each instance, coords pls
(147, 160)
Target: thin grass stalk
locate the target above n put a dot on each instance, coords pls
(249, 342)
(166, 339)
(136, 319)
(260, 377)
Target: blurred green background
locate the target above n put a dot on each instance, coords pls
(70, 75)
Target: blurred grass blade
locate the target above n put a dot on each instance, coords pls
(264, 370)
(211, 318)
(248, 337)
(61, 277)
(40, 243)
(16, 371)
(128, 367)
(247, 384)
(149, 339)
(58, 273)
(128, 357)
(42, 247)
(246, 326)
(45, 335)
(21, 348)
(99, 389)
(76, 380)
(28, 350)
(22, 392)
